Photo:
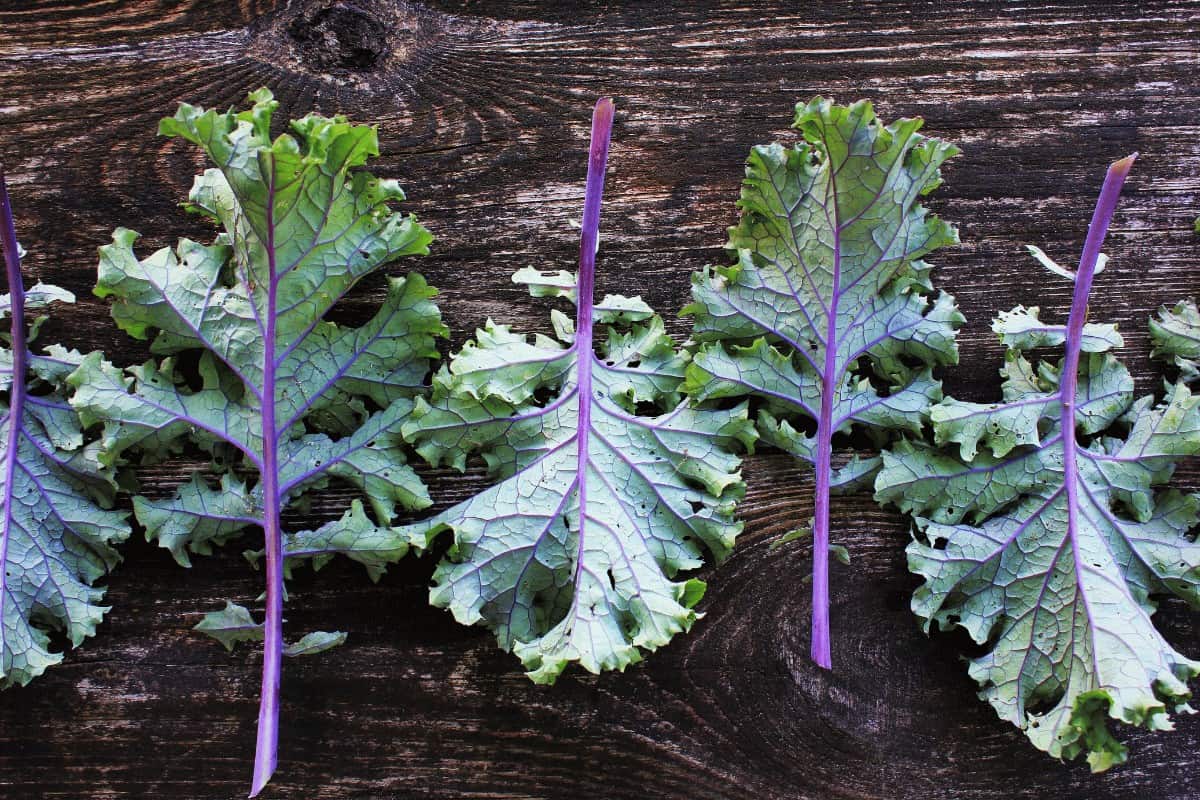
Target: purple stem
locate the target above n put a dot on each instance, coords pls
(819, 647)
(1069, 374)
(267, 747)
(602, 118)
(20, 359)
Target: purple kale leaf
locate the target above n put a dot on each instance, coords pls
(1045, 534)
(610, 483)
(1176, 334)
(824, 317)
(281, 393)
(56, 538)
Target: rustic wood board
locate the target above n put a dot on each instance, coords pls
(483, 110)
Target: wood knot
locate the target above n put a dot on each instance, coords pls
(367, 45)
(340, 36)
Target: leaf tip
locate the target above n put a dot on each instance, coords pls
(1122, 166)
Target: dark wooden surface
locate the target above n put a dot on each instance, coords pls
(483, 110)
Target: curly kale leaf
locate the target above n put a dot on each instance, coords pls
(827, 299)
(1176, 335)
(56, 536)
(1047, 534)
(296, 399)
(610, 483)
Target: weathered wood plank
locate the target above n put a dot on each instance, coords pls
(483, 110)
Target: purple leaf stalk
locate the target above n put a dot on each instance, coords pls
(602, 118)
(1114, 179)
(830, 376)
(267, 746)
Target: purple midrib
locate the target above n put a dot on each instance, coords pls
(266, 746)
(584, 316)
(820, 645)
(20, 356)
(1069, 380)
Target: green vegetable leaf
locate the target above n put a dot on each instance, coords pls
(285, 400)
(1176, 335)
(1048, 532)
(56, 536)
(610, 485)
(315, 642)
(234, 624)
(826, 314)
(231, 625)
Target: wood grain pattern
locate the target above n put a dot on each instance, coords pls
(482, 108)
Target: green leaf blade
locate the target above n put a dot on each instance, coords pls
(1049, 534)
(286, 400)
(830, 298)
(58, 536)
(610, 486)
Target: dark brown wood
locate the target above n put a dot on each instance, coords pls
(483, 110)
